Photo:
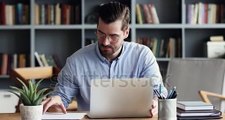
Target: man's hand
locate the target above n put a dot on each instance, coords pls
(54, 102)
(154, 109)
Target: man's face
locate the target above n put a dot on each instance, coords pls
(110, 38)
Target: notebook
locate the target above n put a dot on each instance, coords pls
(194, 105)
(119, 98)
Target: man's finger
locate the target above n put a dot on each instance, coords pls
(47, 104)
(63, 108)
(45, 101)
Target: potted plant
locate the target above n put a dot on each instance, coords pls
(31, 97)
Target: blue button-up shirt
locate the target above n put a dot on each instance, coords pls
(134, 61)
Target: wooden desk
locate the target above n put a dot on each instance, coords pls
(10, 116)
(16, 116)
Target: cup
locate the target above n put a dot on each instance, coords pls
(167, 109)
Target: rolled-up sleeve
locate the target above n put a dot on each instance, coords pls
(67, 86)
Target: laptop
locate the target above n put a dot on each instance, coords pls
(119, 98)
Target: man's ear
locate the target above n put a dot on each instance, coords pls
(126, 32)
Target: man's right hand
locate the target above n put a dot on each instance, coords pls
(54, 102)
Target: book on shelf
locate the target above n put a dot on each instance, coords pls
(194, 105)
(50, 60)
(43, 60)
(22, 60)
(38, 59)
(216, 38)
(2, 13)
(4, 61)
(139, 16)
(9, 18)
(37, 14)
(147, 14)
(14, 60)
(154, 14)
(171, 50)
(57, 14)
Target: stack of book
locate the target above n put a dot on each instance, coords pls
(196, 110)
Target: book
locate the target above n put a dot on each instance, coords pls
(43, 60)
(22, 60)
(2, 13)
(185, 113)
(15, 61)
(154, 14)
(194, 105)
(4, 63)
(217, 38)
(199, 118)
(147, 14)
(57, 14)
(50, 60)
(37, 14)
(138, 14)
(38, 59)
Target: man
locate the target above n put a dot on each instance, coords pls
(110, 57)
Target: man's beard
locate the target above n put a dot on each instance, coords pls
(107, 51)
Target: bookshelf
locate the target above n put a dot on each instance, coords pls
(62, 40)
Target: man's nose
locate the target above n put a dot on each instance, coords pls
(106, 41)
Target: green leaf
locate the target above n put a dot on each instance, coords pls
(37, 84)
(23, 95)
(40, 93)
(32, 91)
(40, 96)
(24, 85)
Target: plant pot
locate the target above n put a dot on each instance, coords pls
(31, 112)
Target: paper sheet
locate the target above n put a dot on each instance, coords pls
(52, 115)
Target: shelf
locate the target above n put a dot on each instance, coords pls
(4, 76)
(163, 59)
(158, 26)
(16, 27)
(58, 26)
(210, 26)
(90, 26)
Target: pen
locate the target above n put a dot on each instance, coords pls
(172, 93)
(158, 94)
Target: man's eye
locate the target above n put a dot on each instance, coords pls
(114, 37)
(102, 35)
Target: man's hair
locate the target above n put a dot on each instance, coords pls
(112, 11)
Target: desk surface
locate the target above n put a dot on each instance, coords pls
(16, 116)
